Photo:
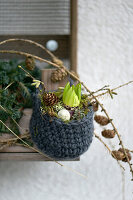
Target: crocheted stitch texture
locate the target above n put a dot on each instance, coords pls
(58, 139)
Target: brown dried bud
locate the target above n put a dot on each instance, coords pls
(30, 63)
(108, 133)
(128, 154)
(118, 155)
(58, 75)
(95, 106)
(102, 120)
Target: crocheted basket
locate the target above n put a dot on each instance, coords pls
(58, 139)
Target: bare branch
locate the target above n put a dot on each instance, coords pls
(98, 137)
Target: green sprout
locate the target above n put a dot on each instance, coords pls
(72, 95)
(36, 83)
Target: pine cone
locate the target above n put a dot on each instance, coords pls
(128, 154)
(108, 133)
(118, 155)
(50, 99)
(58, 75)
(30, 63)
(102, 120)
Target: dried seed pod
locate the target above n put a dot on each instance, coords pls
(95, 106)
(30, 63)
(108, 133)
(118, 155)
(128, 154)
(58, 75)
(50, 99)
(102, 120)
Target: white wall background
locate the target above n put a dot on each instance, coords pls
(105, 56)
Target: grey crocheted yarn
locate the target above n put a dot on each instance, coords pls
(58, 139)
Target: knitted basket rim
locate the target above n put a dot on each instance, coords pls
(71, 122)
(60, 121)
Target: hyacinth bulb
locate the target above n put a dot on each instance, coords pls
(64, 115)
(72, 95)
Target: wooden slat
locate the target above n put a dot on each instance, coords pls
(27, 157)
(73, 53)
(34, 17)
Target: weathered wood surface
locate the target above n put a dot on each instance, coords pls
(26, 157)
(73, 37)
(34, 17)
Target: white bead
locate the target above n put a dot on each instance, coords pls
(52, 45)
(64, 114)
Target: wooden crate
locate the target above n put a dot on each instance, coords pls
(60, 26)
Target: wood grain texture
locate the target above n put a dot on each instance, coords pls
(26, 157)
(73, 41)
(34, 17)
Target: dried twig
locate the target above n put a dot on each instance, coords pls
(103, 88)
(28, 41)
(99, 138)
(91, 93)
(123, 184)
(129, 82)
(28, 54)
(14, 139)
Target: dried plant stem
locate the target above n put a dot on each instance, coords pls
(28, 41)
(99, 138)
(118, 135)
(123, 184)
(8, 85)
(26, 135)
(103, 88)
(129, 82)
(28, 54)
(74, 76)
(36, 150)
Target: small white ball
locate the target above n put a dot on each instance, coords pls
(64, 115)
(52, 45)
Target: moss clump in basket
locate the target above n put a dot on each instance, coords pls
(65, 103)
